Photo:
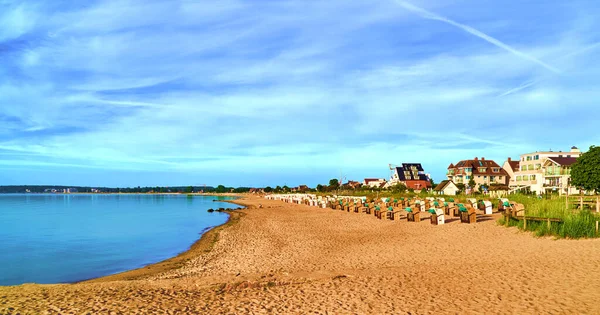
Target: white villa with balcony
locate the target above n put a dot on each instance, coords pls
(545, 171)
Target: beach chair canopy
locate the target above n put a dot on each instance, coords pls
(436, 203)
(377, 208)
(432, 211)
(451, 199)
(408, 209)
(506, 204)
(390, 208)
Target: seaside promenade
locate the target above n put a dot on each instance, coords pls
(294, 259)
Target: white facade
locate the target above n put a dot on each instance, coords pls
(449, 189)
(534, 175)
(374, 182)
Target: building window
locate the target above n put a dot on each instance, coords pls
(519, 178)
(532, 177)
(467, 177)
(496, 170)
(523, 167)
(530, 167)
(528, 158)
(537, 157)
(484, 177)
(491, 178)
(538, 166)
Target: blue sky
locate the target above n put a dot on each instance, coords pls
(264, 92)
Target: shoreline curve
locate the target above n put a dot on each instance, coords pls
(203, 245)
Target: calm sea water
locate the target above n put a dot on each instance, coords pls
(68, 238)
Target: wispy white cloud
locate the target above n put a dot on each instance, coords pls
(284, 90)
(432, 16)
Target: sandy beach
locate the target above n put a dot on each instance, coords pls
(295, 259)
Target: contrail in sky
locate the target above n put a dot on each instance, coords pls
(534, 82)
(432, 16)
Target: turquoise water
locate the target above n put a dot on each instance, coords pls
(69, 238)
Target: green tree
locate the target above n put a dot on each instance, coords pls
(278, 189)
(189, 189)
(461, 187)
(268, 189)
(432, 183)
(472, 183)
(334, 183)
(319, 188)
(221, 189)
(398, 188)
(286, 188)
(585, 173)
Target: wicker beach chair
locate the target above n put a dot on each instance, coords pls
(468, 214)
(458, 209)
(390, 213)
(413, 214)
(437, 216)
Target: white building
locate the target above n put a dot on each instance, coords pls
(446, 187)
(542, 171)
(375, 182)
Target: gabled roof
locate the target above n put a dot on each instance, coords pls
(442, 185)
(564, 161)
(451, 165)
(475, 164)
(514, 165)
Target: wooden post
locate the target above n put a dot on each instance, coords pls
(596, 227)
(597, 204)
(524, 223)
(580, 199)
(567, 199)
(548, 223)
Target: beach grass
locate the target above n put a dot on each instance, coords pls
(574, 223)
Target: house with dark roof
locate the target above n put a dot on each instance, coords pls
(411, 175)
(483, 172)
(352, 184)
(557, 174)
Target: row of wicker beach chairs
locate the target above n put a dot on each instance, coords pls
(414, 208)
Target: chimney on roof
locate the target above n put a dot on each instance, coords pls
(475, 159)
(483, 159)
(509, 159)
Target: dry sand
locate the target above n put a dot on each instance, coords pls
(287, 258)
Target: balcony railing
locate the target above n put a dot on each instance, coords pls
(557, 172)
